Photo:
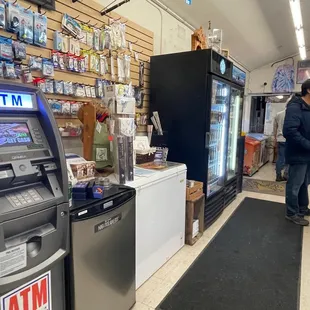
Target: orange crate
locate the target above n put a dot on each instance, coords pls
(192, 193)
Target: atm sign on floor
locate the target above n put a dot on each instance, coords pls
(34, 295)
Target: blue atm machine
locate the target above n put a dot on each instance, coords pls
(34, 209)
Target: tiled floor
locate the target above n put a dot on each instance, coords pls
(267, 173)
(157, 287)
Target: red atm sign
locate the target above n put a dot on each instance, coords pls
(34, 295)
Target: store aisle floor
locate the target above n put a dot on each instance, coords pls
(157, 287)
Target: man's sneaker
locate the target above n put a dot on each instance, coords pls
(297, 220)
(306, 213)
(280, 178)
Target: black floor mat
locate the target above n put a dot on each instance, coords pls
(252, 264)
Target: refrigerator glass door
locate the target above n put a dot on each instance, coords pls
(233, 133)
(218, 135)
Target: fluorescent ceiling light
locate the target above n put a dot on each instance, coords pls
(280, 97)
(303, 53)
(296, 12)
(297, 19)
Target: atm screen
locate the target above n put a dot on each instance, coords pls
(13, 134)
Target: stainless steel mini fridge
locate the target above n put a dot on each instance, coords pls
(101, 266)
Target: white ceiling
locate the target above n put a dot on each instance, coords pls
(256, 32)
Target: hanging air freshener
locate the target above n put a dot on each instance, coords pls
(99, 88)
(96, 39)
(115, 35)
(70, 62)
(93, 92)
(35, 63)
(81, 64)
(55, 59)
(113, 77)
(57, 40)
(47, 67)
(65, 44)
(83, 34)
(90, 37)
(25, 32)
(86, 55)
(12, 17)
(102, 40)
(19, 50)
(127, 60)
(40, 30)
(123, 35)
(141, 74)
(107, 38)
(2, 14)
(121, 69)
(75, 64)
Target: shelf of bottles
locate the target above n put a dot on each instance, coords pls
(233, 132)
(217, 139)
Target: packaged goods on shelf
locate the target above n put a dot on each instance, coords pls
(2, 14)
(26, 28)
(12, 17)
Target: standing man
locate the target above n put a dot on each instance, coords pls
(296, 130)
(280, 140)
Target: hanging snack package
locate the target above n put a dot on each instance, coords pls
(58, 87)
(6, 51)
(141, 74)
(40, 30)
(92, 62)
(61, 61)
(127, 61)
(26, 76)
(12, 17)
(41, 85)
(56, 106)
(68, 88)
(113, 77)
(47, 67)
(55, 59)
(57, 40)
(93, 91)
(99, 88)
(83, 38)
(115, 35)
(123, 36)
(121, 69)
(65, 44)
(1, 69)
(85, 55)
(19, 50)
(76, 67)
(75, 106)
(102, 40)
(102, 65)
(90, 36)
(70, 62)
(49, 86)
(96, 39)
(9, 70)
(66, 107)
(81, 64)
(35, 63)
(107, 40)
(2, 14)
(87, 91)
(25, 32)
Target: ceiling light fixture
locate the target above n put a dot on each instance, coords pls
(297, 19)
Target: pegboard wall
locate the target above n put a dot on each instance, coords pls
(88, 12)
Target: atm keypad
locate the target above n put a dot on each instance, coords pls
(23, 198)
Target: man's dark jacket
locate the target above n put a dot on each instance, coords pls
(296, 130)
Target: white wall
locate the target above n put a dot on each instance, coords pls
(265, 74)
(176, 37)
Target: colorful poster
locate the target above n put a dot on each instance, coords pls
(284, 79)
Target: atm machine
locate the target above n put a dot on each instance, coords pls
(34, 209)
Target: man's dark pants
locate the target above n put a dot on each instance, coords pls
(280, 164)
(297, 199)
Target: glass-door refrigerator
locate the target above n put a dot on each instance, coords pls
(235, 147)
(218, 136)
(191, 92)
